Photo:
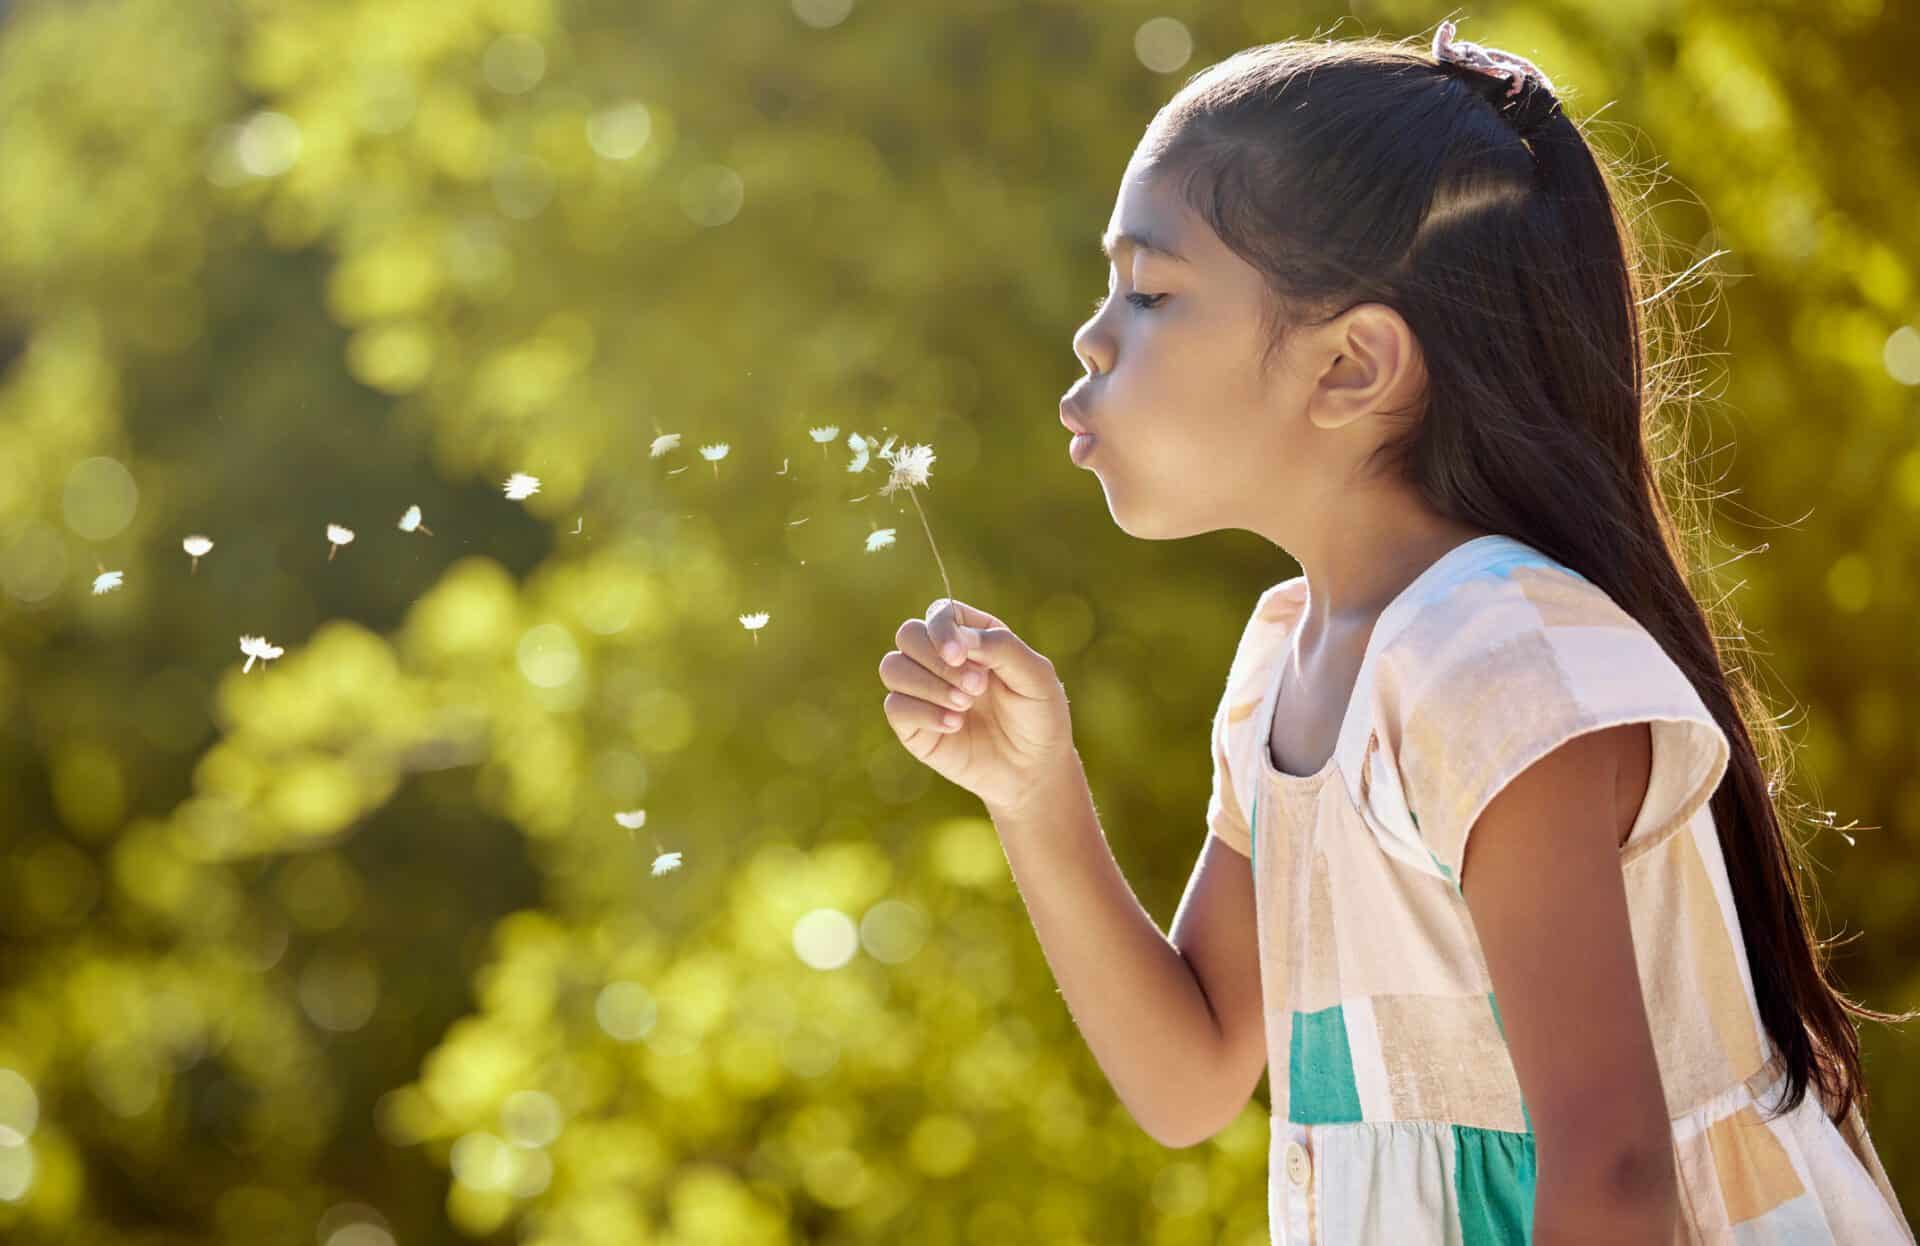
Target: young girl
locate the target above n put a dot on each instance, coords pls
(1495, 890)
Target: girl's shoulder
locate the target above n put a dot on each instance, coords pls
(1268, 629)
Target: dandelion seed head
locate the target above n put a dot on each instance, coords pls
(664, 862)
(106, 582)
(910, 467)
(196, 545)
(754, 622)
(410, 520)
(715, 452)
(632, 819)
(663, 443)
(824, 434)
(879, 539)
(337, 535)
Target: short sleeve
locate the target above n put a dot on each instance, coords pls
(1225, 818)
(1501, 671)
(1259, 642)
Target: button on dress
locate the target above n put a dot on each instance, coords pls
(1396, 1117)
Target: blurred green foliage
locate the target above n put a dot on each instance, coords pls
(349, 949)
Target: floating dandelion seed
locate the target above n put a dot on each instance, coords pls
(663, 443)
(411, 521)
(520, 485)
(713, 454)
(910, 467)
(796, 523)
(195, 547)
(879, 539)
(257, 647)
(632, 819)
(863, 497)
(783, 467)
(753, 623)
(676, 471)
(823, 436)
(579, 522)
(859, 446)
(336, 537)
(664, 862)
(106, 581)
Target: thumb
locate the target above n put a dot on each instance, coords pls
(1020, 667)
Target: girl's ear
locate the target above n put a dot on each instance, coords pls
(1371, 363)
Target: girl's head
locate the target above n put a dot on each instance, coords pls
(1397, 291)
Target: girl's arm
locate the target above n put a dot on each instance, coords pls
(1138, 1002)
(1549, 906)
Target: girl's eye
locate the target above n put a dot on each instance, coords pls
(1145, 302)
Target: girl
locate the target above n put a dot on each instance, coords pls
(1494, 889)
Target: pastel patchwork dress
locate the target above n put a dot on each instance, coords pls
(1396, 1116)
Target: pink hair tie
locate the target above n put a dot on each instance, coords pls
(1490, 61)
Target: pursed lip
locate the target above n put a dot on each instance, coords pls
(1071, 417)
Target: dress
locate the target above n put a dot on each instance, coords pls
(1396, 1116)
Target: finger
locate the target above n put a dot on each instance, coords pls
(955, 627)
(1024, 670)
(916, 643)
(907, 714)
(902, 674)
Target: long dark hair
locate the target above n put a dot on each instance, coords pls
(1365, 171)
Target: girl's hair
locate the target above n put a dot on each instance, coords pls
(1364, 171)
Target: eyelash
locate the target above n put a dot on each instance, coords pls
(1145, 302)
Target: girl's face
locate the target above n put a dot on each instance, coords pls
(1189, 434)
(1188, 437)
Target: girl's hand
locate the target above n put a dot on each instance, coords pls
(1014, 731)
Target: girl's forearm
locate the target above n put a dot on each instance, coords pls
(1134, 997)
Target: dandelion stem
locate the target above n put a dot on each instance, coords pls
(936, 549)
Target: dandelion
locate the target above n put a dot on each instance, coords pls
(106, 581)
(520, 485)
(910, 467)
(336, 537)
(195, 547)
(753, 623)
(257, 647)
(663, 443)
(880, 538)
(411, 520)
(713, 454)
(664, 862)
(632, 819)
(859, 446)
(823, 436)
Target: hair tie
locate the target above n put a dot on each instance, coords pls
(1490, 61)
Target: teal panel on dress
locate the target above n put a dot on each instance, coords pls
(1320, 1085)
(1493, 1174)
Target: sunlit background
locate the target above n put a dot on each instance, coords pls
(546, 871)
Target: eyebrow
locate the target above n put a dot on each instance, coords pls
(1139, 242)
